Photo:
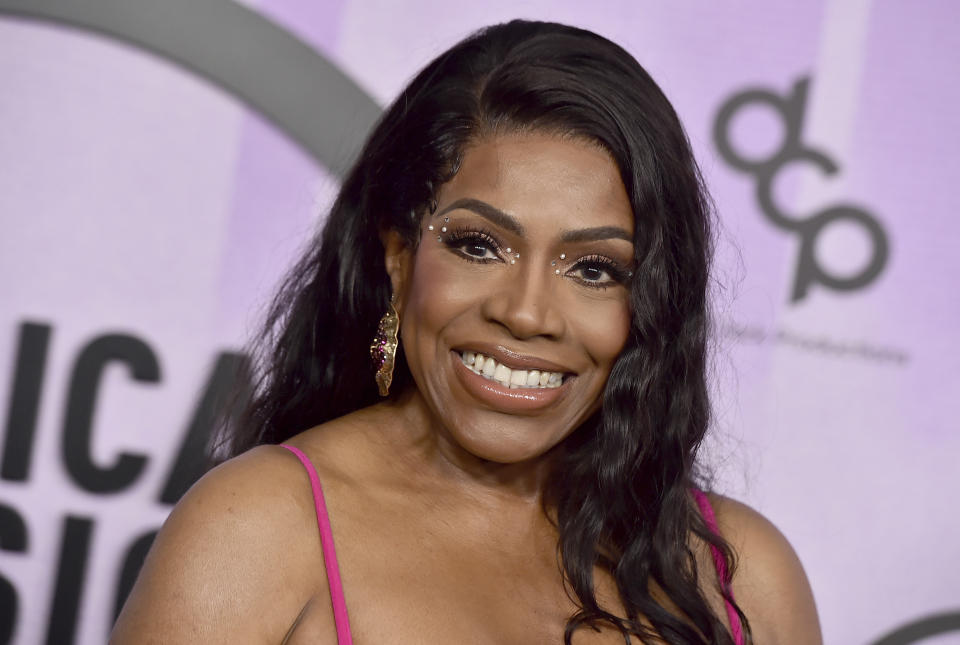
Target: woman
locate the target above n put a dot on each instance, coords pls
(529, 214)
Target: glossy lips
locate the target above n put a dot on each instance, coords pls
(502, 397)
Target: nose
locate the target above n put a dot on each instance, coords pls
(524, 302)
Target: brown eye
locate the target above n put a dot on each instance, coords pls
(598, 272)
(476, 250)
(473, 246)
(592, 274)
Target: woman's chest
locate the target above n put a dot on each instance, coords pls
(469, 614)
(433, 588)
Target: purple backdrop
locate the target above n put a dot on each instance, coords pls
(147, 206)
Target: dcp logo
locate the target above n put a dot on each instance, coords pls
(790, 109)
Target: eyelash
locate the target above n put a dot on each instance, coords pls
(618, 275)
(458, 239)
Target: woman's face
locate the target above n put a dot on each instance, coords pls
(525, 264)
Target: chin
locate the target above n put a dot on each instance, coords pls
(509, 443)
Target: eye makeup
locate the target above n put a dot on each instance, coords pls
(473, 245)
(598, 271)
(480, 245)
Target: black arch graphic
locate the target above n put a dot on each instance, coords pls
(921, 628)
(260, 63)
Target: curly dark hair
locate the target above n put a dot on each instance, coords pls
(621, 492)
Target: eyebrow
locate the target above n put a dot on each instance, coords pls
(488, 212)
(512, 224)
(595, 234)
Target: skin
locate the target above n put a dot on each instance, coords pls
(435, 496)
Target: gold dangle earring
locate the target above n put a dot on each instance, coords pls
(384, 347)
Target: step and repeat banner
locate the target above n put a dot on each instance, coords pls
(162, 163)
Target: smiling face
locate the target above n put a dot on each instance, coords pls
(514, 306)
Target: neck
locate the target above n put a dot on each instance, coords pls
(433, 451)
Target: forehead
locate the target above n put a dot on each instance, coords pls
(546, 181)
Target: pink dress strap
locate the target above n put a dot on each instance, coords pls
(736, 630)
(337, 598)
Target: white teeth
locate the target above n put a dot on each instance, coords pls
(507, 377)
(489, 367)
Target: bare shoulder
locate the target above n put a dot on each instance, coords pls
(228, 564)
(769, 583)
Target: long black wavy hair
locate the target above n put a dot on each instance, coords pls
(621, 493)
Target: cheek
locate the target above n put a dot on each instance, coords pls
(605, 330)
(436, 295)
